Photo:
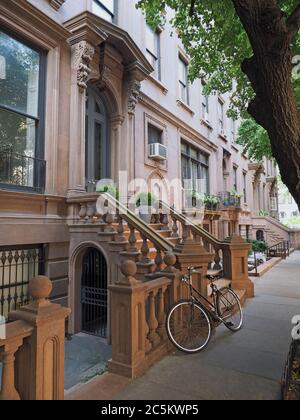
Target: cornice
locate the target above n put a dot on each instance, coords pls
(173, 119)
(19, 14)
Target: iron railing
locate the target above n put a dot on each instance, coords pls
(291, 377)
(282, 249)
(22, 171)
(18, 265)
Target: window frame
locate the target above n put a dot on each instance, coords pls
(235, 177)
(157, 58)
(113, 15)
(39, 153)
(184, 84)
(199, 161)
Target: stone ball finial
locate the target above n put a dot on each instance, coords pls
(40, 288)
(170, 260)
(129, 268)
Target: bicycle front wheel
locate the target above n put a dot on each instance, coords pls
(230, 309)
(189, 327)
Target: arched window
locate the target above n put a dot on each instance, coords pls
(97, 144)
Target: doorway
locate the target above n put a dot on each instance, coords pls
(94, 294)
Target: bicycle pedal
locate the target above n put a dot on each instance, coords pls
(229, 324)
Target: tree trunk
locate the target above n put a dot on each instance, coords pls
(269, 71)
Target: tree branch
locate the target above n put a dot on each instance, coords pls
(294, 21)
(192, 9)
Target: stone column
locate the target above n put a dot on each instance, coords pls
(226, 229)
(40, 361)
(235, 260)
(82, 55)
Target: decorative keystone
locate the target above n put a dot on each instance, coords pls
(40, 288)
(129, 270)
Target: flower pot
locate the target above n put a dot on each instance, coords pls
(145, 214)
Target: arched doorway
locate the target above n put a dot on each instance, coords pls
(94, 293)
(97, 150)
(260, 236)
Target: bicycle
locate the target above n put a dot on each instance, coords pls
(190, 322)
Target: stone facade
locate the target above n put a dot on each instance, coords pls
(86, 54)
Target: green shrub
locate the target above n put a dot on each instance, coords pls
(110, 189)
(258, 246)
(146, 199)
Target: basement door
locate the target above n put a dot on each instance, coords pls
(94, 294)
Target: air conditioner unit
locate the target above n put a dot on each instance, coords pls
(157, 151)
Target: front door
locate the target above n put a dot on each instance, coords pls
(97, 148)
(94, 294)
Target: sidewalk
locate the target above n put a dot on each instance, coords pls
(245, 365)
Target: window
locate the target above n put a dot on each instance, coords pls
(104, 9)
(221, 115)
(205, 105)
(195, 169)
(235, 178)
(153, 50)
(245, 187)
(21, 114)
(154, 134)
(183, 81)
(232, 124)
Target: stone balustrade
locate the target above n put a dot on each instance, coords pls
(32, 351)
(139, 335)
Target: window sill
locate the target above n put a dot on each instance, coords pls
(185, 107)
(223, 137)
(158, 83)
(234, 147)
(207, 124)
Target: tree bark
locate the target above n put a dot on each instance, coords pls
(270, 70)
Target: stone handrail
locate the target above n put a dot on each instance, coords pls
(196, 229)
(90, 215)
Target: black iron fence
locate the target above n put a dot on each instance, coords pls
(18, 265)
(282, 249)
(21, 170)
(291, 376)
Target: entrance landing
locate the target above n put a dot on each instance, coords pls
(86, 357)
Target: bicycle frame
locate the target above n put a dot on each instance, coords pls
(213, 312)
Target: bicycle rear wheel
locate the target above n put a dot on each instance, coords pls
(230, 309)
(189, 327)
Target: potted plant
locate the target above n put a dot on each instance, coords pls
(110, 189)
(146, 203)
(235, 198)
(211, 202)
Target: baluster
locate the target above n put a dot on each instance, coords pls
(8, 391)
(185, 233)
(152, 322)
(132, 240)
(120, 230)
(165, 222)
(145, 251)
(174, 228)
(90, 213)
(109, 219)
(158, 260)
(161, 318)
(217, 260)
(82, 212)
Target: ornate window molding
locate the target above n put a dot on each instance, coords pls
(56, 3)
(84, 54)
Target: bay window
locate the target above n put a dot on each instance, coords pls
(21, 114)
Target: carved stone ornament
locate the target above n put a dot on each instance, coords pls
(105, 75)
(134, 89)
(84, 54)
